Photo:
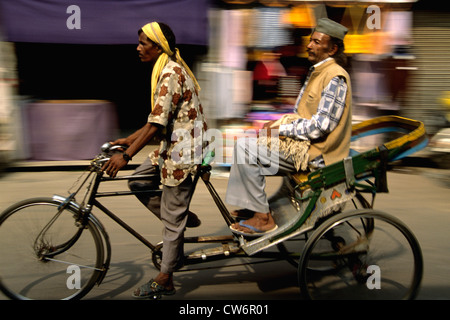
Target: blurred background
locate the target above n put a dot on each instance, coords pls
(70, 78)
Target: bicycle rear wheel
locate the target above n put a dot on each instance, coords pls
(46, 254)
(374, 256)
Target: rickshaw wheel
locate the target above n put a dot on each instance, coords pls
(381, 259)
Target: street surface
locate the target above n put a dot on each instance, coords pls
(418, 196)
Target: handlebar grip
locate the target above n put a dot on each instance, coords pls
(105, 147)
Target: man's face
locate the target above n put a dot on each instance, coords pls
(148, 50)
(318, 48)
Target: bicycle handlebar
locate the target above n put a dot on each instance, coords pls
(108, 147)
(107, 150)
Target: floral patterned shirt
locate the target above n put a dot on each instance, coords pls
(179, 111)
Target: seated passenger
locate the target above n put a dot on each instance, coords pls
(321, 132)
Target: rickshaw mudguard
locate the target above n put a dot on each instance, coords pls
(297, 209)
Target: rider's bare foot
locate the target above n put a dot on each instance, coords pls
(260, 221)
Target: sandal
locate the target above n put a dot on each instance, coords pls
(254, 232)
(152, 290)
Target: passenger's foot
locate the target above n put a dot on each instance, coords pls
(259, 224)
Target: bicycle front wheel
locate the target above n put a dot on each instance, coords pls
(45, 253)
(373, 255)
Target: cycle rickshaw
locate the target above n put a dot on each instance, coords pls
(328, 229)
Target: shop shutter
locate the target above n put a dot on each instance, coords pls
(429, 75)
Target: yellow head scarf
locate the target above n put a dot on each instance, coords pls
(153, 32)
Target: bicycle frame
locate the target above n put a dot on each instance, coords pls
(93, 201)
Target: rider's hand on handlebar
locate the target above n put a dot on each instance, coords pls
(114, 164)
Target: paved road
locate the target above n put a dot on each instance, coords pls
(418, 196)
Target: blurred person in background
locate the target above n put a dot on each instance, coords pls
(177, 118)
(322, 127)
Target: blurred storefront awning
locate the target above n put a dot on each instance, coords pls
(101, 21)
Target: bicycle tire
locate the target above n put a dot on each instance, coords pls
(62, 262)
(386, 247)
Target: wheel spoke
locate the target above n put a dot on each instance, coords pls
(73, 264)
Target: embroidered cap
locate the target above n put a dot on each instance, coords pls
(331, 28)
